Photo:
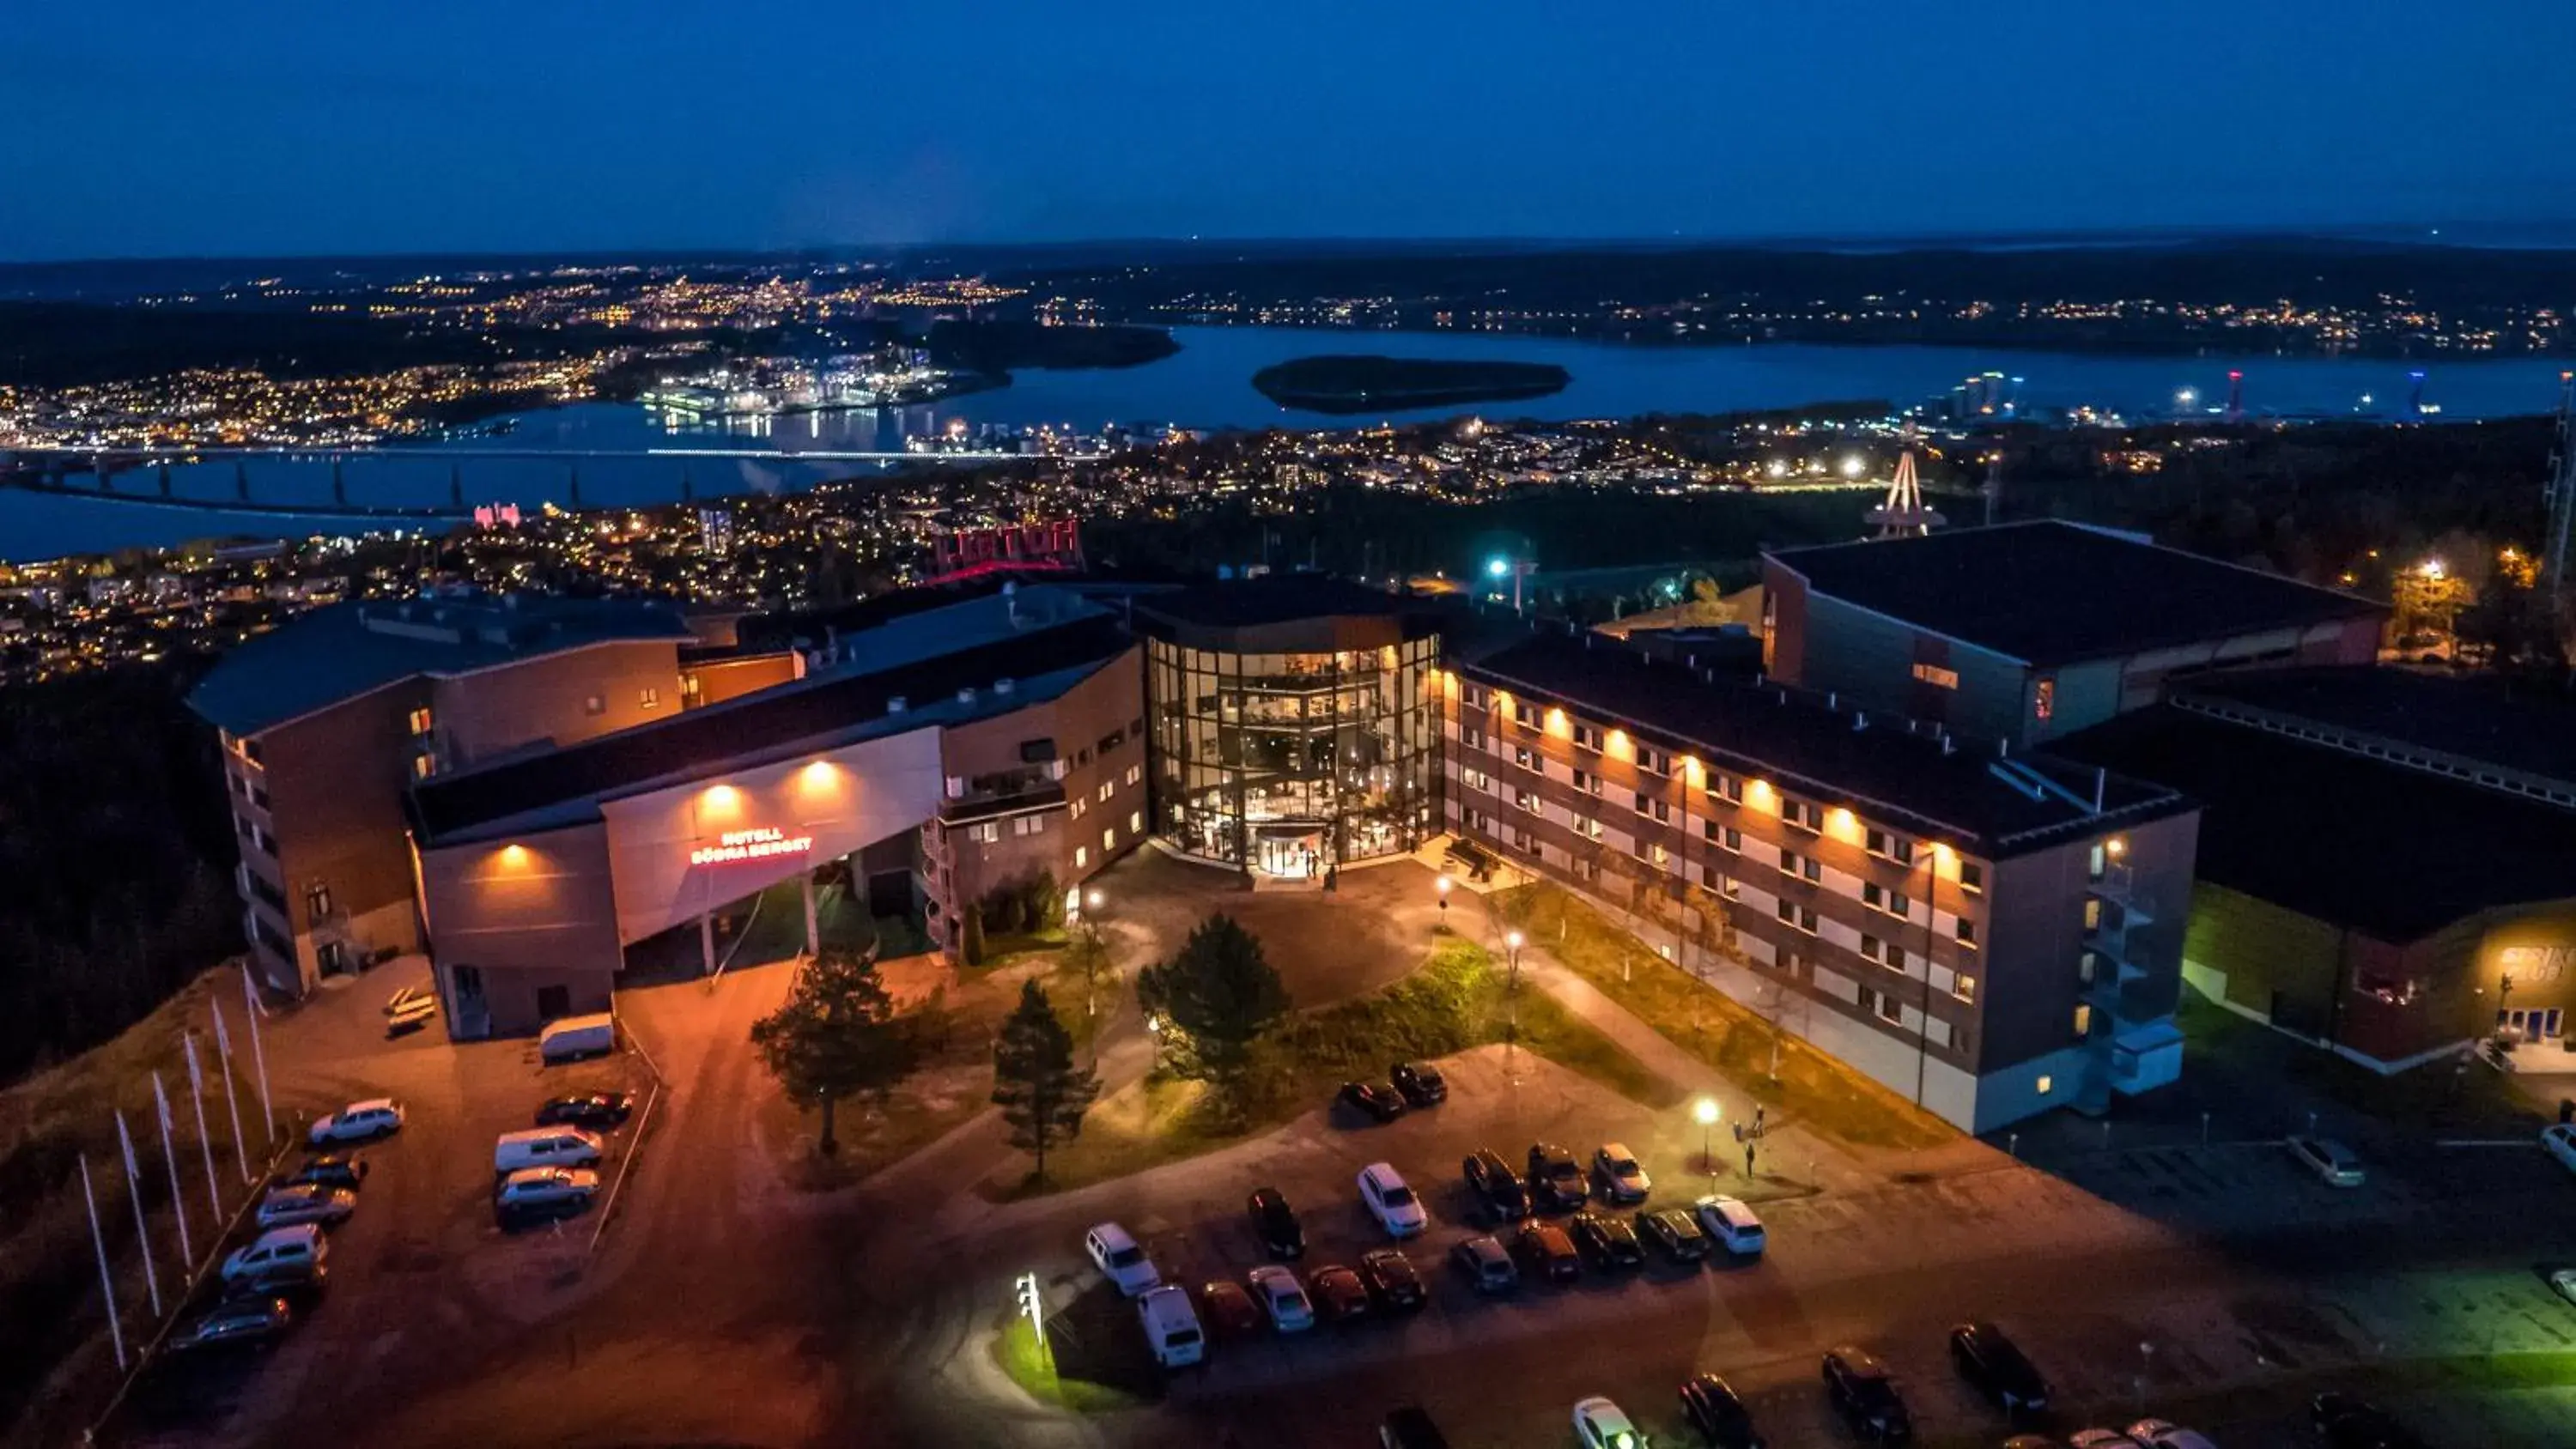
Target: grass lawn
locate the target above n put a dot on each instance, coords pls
(1035, 1370)
(1456, 999)
(1813, 1089)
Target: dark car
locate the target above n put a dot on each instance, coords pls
(1420, 1082)
(2345, 1422)
(1392, 1284)
(1556, 1177)
(1339, 1294)
(1229, 1310)
(1497, 1189)
(594, 1110)
(1605, 1242)
(1995, 1366)
(1485, 1265)
(1866, 1397)
(1545, 1250)
(236, 1323)
(1720, 1417)
(1675, 1234)
(1371, 1100)
(334, 1169)
(1409, 1428)
(1275, 1223)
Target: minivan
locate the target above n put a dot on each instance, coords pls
(279, 1252)
(1171, 1325)
(544, 1147)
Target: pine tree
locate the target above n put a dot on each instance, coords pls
(1041, 1092)
(1219, 994)
(836, 1036)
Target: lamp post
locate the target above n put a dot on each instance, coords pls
(1705, 1112)
(1442, 891)
(1512, 947)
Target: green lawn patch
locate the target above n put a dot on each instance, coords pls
(1039, 1371)
(1813, 1089)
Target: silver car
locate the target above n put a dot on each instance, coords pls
(535, 1192)
(2336, 1164)
(306, 1202)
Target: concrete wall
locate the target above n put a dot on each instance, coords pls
(491, 711)
(527, 913)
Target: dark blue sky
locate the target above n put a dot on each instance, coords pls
(179, 127)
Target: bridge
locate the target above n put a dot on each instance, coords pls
(128, 456)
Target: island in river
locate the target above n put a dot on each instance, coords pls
(1359, 384)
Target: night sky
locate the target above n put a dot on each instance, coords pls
(178, 127)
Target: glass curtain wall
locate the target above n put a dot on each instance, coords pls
(1291, 764)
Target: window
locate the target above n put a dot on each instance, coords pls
(1081, 856)
(1522, 757)
(1649, 805)
(1806, 866)
(1967, 932)
(1107, 788)
(1135, 822)
(1587, 827)
(1587, 870)
(1891, 1010)
(1028, 825)
(2044, 699)
(1587, 782)
(1658, 854)
(1867, 1000)
(1654, 761)
(2083, 1018)
(2044, 1084)
(1729, 887)
(1965, 988)
(1729, 838)
(594, 705)
(1586, 737)
(423, 765)
(984, 832)
(1079, 804)
(1888, 846)
(1109, 840)
(1805, 814)
(1937, 1030)
(1972, 877)
(2092, 913)
(1135, 773)
(649, 697)
(1895, 903)
(1885, 953)
(1082, 756)
(1112, 740)
(421, 720)
(1729, 788)
(317, 902)
(1528, 800)
(1524, 712)
(1476, 780)
(1473, 739)
(1802, 917)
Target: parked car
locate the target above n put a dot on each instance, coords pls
(357, 1122)
(595, 1110)
(532, 1193)
(1120, 1259)
(1495, 1188)
(2345, 1422)
(1275, 1225)
(254, 1322)
(1409, 1428)
(1866, 1397)
(1545, 1250)
(1337, 1293)
(2336, 1164)
(2165, 1434)
(2100, 1439)
(1622, 1179)
(1674, 1232)
(1393, 1285)
(1171, 1325)
(546, 1147)
(329, 1169)
(1556, 1178)
(306, 1202)
(2558, 1139)
(1389, 1200)
(1281, 1296)
(294, 1250)
(1599, 1424)
(1420, 1082)
(1996, 1367)
(1605, 1242)
(1731, 1225)
(1712, 1407)
(2562, 1282)
(1376, 1102)
(1227, 1309)
(1484, 1264)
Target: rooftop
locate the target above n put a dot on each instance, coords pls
(2050, 592)
(1970, 796)
(2392, 852)
(2476, 718)
(346, 650)
(1270, 599)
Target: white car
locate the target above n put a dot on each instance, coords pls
(2336, 1164)
(1282, 1297)
(1731, 1225)
(2559, 1141)
(545, 1191)
(277, 1253)
(1119, 1260)
(306, 1202)
(1622, 1178)
(1601, 1424)
(358, 1122)
(1394, 1205)
(2165, 1434)
(1171, 1326)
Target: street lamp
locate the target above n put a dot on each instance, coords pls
(1441, 889)
(1512, 945)
(1705, 1112)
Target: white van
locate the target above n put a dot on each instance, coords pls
(545, 1147)
(573, 1037)
(1171, 1326)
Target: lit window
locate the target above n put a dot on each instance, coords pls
(1522, 757)
(594, 705)
(1107, 787)
(985, 832)
(421, 721)
(1077, 808)
(2044, 699)
(1081, 856)
(2083, 1018)
(1136, 822)
(649, 697)
(1109, 840)
(423, 765)
(1135, 773)
(2045, 1084)
(1028, 824)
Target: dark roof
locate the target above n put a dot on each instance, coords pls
(2050, 592)
(1838, 756)
(346, 650)
(709, 740)
(2475, 717)
(1270, 599)
(2391, 852)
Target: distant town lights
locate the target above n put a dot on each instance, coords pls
(1855, 465)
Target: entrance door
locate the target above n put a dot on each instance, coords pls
(553, 1002)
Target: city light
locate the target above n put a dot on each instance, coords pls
(2433, 568)
(1854, 465)
(1497, 568)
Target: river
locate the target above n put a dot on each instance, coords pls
(1208, 384)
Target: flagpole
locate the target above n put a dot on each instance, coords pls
(106, 1280)
(205, 1144)
(170, 1155)
(232, 1103)
(142, 1238)
(258, 1055)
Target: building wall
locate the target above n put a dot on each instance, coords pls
(521, 915)
(2265, 960)
(718, 680)
(334, 781)
(550, 697)
(1871, 660)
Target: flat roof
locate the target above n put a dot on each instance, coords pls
(342, 651)
(2052, 592)
(561, 786)
(2394, 853)
(2485, 718)
(1970, 795)
(1272, 599)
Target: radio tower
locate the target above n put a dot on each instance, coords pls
(1904, 514)
(2556, 545)
(2235, 396)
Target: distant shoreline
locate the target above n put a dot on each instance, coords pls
(1343, 384)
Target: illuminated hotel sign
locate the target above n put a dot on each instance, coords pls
(1935, 674)
(2536, 964)
(750, 845)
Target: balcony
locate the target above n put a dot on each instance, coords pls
(1000, 793)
